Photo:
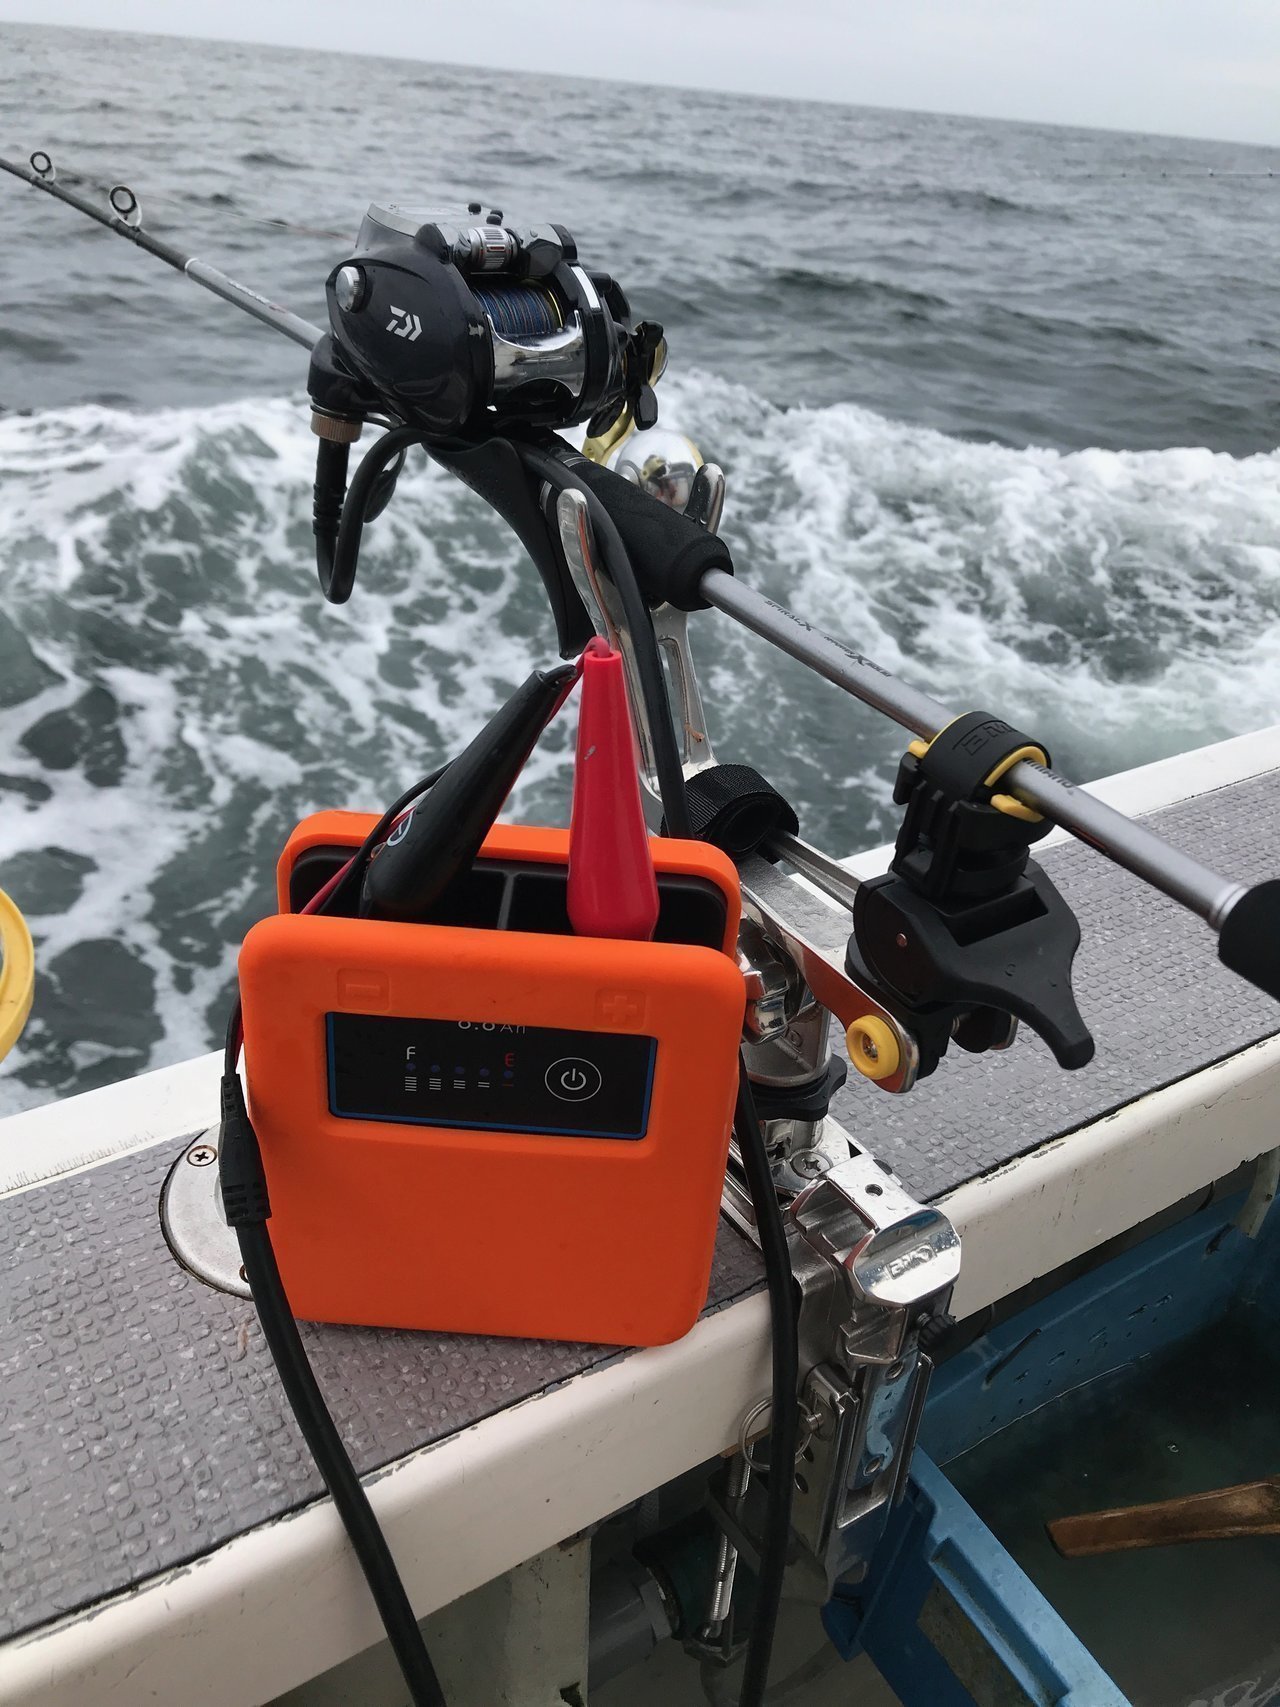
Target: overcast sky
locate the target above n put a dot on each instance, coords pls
(1188, 67)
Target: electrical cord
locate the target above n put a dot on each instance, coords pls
(246, 1204)
(784, 1419)
(339, 512)
(247, 1208)
(289, 1355)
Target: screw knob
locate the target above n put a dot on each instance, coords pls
(873, 1048)
(349, 289)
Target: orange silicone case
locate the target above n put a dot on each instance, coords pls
(544, 1236)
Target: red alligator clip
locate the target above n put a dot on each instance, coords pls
(612, 889)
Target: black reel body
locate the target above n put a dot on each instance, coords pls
(461, 326)
(468, 334)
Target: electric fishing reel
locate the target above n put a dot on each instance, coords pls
(457, 327)
(464, 331)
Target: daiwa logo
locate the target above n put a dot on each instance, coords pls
(404, 324)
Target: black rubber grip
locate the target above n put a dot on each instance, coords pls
(670, 553)
(964, 754)
(494, 471)
(1249, 941)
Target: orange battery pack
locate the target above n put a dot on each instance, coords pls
(491, 1125)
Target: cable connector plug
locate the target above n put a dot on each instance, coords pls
(240, 1172)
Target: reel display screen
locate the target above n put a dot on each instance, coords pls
(489, 1077)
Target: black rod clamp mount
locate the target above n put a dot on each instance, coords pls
(965, 927)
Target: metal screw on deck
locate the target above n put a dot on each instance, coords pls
(810, 1164)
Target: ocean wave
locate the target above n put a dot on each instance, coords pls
(268, 157)
(852, 288)
(1125, 603)
(1090, 332)
(973, 201)
(174, 693)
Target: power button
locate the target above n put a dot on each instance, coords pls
(573, 1079)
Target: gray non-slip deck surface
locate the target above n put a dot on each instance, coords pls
(141, 1425)
(141, 1422)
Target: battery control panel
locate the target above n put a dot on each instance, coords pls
(490, 1077)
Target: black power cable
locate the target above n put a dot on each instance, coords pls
(784, 1418)
(339, 513)
(785, 1352)
(244, 1192)
(289, 1355)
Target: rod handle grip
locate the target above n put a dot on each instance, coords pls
(1249, 941)
(669, 552)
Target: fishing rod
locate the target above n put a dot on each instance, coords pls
(123, 215)
(1124, 841)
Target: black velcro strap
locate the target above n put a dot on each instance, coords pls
(733, 807)
(964, 754)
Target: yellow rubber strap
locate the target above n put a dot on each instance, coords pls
(1009, 803)
(1006, 803)
(17, 973)
(1037, 755)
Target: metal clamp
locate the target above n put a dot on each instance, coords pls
(823, 975)
(872, 1264)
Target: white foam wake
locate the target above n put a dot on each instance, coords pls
(1124, 604)
(174, 693)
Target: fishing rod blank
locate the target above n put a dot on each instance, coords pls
(1120, 838)
(123, 215)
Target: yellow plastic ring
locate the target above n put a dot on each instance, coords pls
(17, 973)
(1006, 803)
(873, 1047)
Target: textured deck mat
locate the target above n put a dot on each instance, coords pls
(141, 1425)
(141, 1422)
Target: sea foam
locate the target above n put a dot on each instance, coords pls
(174, 692)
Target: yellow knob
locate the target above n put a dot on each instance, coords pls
(873, 1048)
(17, 973)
